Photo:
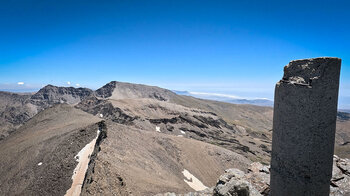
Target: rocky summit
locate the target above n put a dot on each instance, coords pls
(133, 139)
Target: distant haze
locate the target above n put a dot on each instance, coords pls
(235, 96)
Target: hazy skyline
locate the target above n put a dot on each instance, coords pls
(227, 47)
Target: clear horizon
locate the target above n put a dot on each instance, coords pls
(224, 47)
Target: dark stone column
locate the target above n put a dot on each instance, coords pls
(304, 123)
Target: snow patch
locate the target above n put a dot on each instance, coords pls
(182, 132)
(101, 115)
(180, 136)
(192, 181)
(40, 163)
(158, 129)
(83, 158)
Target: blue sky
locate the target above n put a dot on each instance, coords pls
(229, 47)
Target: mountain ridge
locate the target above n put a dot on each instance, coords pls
(154, 136)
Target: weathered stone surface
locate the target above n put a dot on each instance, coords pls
(235, 182)
(257, 181)
(304, 124)
(340, 182)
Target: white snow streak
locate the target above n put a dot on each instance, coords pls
(83, 158)
(192, 181)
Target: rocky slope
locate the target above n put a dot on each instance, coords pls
(50, 95)
(13, 112)
(38, 159)
(256, 181)
(156, 142)
(139, 162)
(342, 138)
(16, 109)
(153, 107)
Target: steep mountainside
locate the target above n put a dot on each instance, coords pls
(256, 119)
(13, 112)
(140, 162)
(15, 109)
(342, 138)
(38, 159)
(50, 95)
(155, 107)
(154, 141)
(173, 119)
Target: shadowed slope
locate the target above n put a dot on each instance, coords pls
(38, 159)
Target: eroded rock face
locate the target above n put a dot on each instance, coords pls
(13, 112)
(340, 182)
(173, 119)
(235, 182)
(304, 125)
(96, 106)
(16, 109)
(50, 95)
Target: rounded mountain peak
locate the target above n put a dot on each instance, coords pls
(123, 90)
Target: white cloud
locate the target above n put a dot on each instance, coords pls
(215, 94)
(78, 85)
(20, 83)
(68, 83)
(223, 97)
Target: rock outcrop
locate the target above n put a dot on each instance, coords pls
(256, 182)
(235, 182)
(304, 126)
(13, 112)
(16, 109)
(105, 109)
(340, 182)
(50, 95)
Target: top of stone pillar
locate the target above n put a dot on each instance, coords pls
(307, 71)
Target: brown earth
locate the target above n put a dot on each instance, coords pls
(174, 119)
(342, 138)
(53, 137)
(139, 162)
(153, 136)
